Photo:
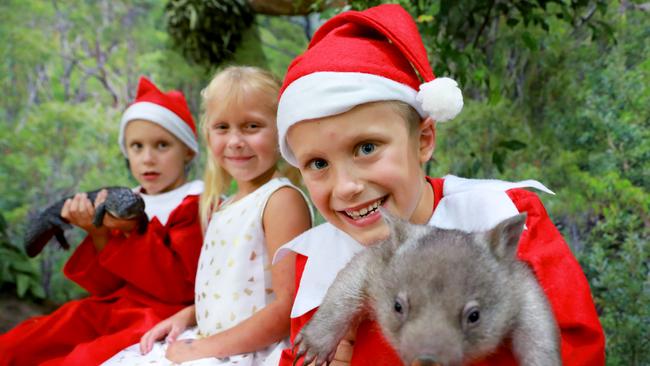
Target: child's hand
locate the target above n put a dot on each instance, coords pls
(171, 327)
(80, 212)
(186, 350)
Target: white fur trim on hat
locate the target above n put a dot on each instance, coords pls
(162, 116)
(441, 98)
(324, 94)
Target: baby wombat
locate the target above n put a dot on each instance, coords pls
(441, 297)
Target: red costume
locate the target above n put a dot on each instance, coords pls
(559, 274)
(134, 283)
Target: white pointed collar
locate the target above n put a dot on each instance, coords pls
(162, 205)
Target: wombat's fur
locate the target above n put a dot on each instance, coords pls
(441, 297)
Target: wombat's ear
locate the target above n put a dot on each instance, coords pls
(397, 227)
(504, 238)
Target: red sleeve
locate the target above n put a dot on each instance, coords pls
(565, 285)
(286, 359)
(162, 262)
(83, 268)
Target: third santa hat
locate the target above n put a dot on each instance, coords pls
(168, 110)
(361, 57)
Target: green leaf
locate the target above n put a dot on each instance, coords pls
(529, 41)
(22, 284)
(512, 144)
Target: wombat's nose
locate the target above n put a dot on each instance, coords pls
(425, 361)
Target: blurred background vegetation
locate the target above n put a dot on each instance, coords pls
(557, 91)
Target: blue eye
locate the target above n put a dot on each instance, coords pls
(317, 164)
(366, 148)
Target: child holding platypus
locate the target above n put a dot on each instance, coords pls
(134, 279)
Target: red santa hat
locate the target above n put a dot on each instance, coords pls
(360, 57)
(169, 110)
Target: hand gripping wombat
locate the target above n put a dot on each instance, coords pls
(441, 297)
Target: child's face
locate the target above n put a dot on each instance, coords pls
(244, 142)
(156, 157)
(356, 161)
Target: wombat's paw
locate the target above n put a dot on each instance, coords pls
(316, 350)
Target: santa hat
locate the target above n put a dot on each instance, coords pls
(169, 110)
(360, 57)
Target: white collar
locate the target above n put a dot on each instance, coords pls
(162, 205)
(467, 204)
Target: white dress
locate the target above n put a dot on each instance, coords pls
(233, 281)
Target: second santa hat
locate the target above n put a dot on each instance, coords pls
(168, 110)
(362, 57)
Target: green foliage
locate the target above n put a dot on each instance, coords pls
(462, 36)
(208, 31)
(16, 269)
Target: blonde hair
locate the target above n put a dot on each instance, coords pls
(228, 89)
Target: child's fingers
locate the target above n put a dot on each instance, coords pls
(101, 197)
(144, 343)
(65, 210)
(173, 334)
(147, 340)
(87, 206)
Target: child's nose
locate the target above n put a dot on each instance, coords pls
(236, 140)
(348, 185)
(148, 155)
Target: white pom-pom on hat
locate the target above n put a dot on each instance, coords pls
(441, 98)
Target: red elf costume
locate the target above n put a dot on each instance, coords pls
(135, 281)
(378, 55)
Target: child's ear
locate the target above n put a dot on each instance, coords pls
(427, 137)
(189, 155)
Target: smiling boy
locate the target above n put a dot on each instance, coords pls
(352, 120)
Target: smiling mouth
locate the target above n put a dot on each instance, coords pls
(366, 211)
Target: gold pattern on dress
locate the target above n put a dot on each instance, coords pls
(232, 316)
(253, 255)
(216, 296)
(212, 242)
(217, 272)
(203, 294)
(248, 291)
(254, 309)
(252, 279)
(235, 296)
(212, 261)
(231, 262)
(248, 237)
(268, 291)
(218, 326)
(206, 313)
(235, 242)
(223, 242)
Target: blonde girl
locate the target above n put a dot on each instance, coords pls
(242, 303)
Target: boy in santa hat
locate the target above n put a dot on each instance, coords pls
(357, 121)
(134, 280)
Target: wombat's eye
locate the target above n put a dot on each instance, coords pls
(473, 317)
(398, 307)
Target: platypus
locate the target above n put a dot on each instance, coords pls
(121, 202)
(441, 297)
